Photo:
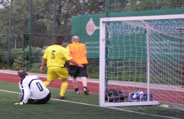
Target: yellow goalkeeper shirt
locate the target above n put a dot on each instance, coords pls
(56, 56)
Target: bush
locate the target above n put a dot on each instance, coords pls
(16, 56)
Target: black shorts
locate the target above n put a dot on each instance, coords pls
(76, 71)
(40, 101)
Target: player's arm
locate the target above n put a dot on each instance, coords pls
(85, 50)
(25, 94)
(20, 96)
(44, 60)
(43, 64)
(74, 62)
(69, 58)
(26, 91)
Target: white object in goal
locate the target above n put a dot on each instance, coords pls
(144, 53)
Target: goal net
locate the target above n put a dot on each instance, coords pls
(141, 60)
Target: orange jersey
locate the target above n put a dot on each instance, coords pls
(78, 53)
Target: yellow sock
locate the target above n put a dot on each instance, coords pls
(63, 88)
(46, 83)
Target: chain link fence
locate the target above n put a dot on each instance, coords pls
(28, 27)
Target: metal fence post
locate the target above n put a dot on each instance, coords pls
(83, 7)
(10, 33)
(30, 31)
(23, 52)
(154, 4)
(54, 20)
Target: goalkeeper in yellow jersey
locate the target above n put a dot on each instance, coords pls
(55, 57)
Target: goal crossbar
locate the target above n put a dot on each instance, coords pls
(154, 17)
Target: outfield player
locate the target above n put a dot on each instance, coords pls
(32, 89)
(55, 57)
(78, 52)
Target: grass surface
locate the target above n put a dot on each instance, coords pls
(78, 107)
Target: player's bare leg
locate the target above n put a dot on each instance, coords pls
(75, 84)
(84, 82)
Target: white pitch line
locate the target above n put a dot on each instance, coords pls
(9, 91)
(93, 105)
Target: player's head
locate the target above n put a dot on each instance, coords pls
(75, 39)
(59, 40)
(22, 74)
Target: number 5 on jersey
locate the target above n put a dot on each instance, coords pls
(53, 54)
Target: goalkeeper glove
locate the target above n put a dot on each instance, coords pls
(19, 103)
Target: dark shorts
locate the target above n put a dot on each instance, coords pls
(40, 101)
(76, 71)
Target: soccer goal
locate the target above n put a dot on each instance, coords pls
(141, 60)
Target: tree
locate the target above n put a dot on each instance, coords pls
(95, 6)
(42, 13)
(170, 4)
(142, 5)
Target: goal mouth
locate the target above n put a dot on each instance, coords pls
(142, 53)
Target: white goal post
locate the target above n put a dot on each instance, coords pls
(142, 53)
